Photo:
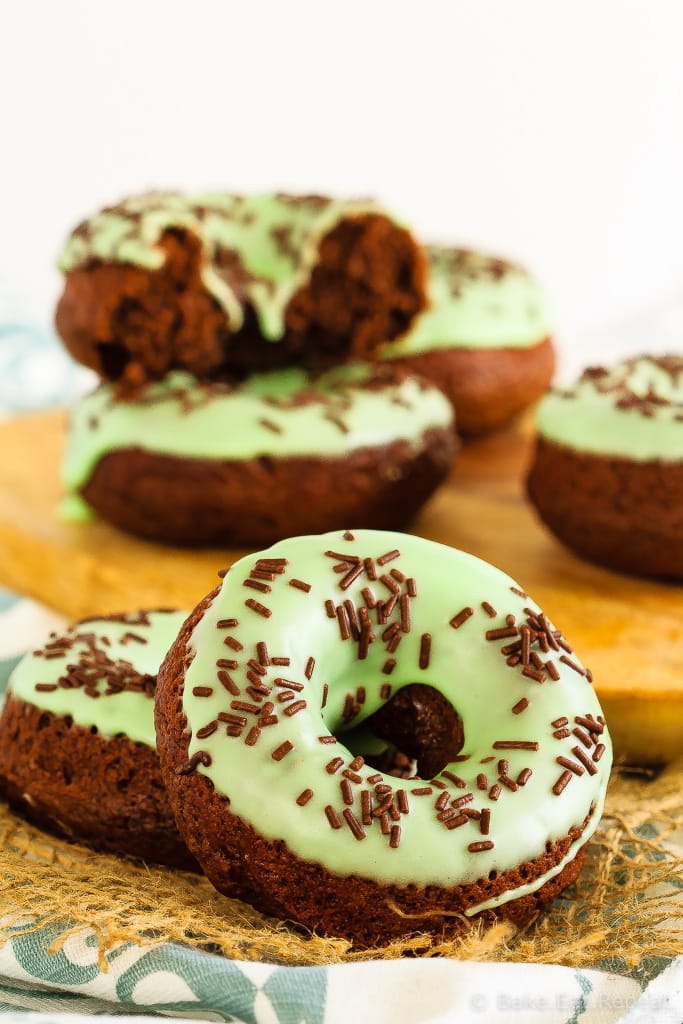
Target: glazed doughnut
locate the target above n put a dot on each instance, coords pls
(290, 682)
(213, 282)
(485, 340)
(77, 743)
(607, 476)
(280, 453)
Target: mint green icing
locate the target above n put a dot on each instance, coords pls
(475, 301)
(73, 509)
(129, 713)
(633, 410)
(464, 666)
(280, 414)
(256, 250)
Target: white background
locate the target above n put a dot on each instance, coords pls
(545, 130)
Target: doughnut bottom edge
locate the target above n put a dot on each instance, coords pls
(106, 793)
(198, 502)
(615, 512)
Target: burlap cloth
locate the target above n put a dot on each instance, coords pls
(625, 909)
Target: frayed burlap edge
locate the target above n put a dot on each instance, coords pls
(628, 900)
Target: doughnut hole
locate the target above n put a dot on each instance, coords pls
(421, 726)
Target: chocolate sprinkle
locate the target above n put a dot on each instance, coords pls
(515, 745)
(389, 556)
(200, 757)
(282, 750)
(262, 654)
(259, 608)
(589, 723)
(297, 706)
(562, 782)
(501, 633)
(257, 585)
(520, 706)
(346, 791)
(332, 816)
(353, 823)
(304, 797)
(226, 663)
(300, 585)
(425, 650)
(351, 576)
(207, 730)
(233, 643)
(370, 570)
(585, 760)
(288, 684)
(455, 779)
(343, 619)
(462, 616)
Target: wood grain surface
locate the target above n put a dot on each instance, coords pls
(629, 631)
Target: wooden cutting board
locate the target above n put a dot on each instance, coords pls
(629, 631)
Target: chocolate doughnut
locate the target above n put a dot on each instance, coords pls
(280, 453)
(607, 475)
(274, 706)
(213, 282)
(484, 340)
(77, 744)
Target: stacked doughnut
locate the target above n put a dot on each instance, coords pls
(365, 733)
(231, 334)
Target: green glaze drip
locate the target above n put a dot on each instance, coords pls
(127, 713)
(281, 414)
(256, 250)
(73, 509)
(475, 301)
(464, 666)
(633, 411)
